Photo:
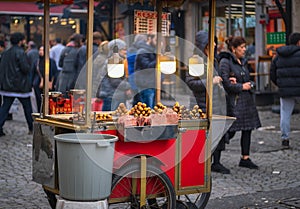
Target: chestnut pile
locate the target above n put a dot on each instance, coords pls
(103, 117)
(158, 108)
(140, 110)
(185, 114)
(121, 110)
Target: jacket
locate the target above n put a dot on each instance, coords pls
(240, 103)
(15, 73)
(113, 88)
(39, 70)
(198, 85)
(285, 71)
(131, 56)
(68, 76)
(144, 69)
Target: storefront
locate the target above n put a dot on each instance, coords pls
(65, 19)
(27, 18)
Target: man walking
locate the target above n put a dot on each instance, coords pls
(285, 73)
(2, 48)
(55, 51)
(144, 70)
(15, 80)
(54, 54)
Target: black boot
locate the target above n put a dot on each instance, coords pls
(216, 166)
(247, 163)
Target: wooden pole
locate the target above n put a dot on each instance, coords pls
(89, 64)
(158, 52)
(210, 64)
(45, 107)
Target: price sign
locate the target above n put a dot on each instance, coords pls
(146, 22)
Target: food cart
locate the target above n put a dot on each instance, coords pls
(157, 166)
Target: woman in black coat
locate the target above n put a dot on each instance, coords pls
(198, 85)
(240, 103)
(39, 74)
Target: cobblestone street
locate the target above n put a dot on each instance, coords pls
(279, 169)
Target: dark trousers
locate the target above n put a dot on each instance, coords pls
(245, 142)
(38, 92)
(4, 110)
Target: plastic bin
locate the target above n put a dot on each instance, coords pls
(85, 164)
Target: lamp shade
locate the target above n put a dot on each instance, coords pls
(196, 65)
(167, 63)
(115, 64)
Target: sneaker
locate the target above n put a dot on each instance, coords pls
(219, 168)
(247, 164)
(285, 143)
(2, 133)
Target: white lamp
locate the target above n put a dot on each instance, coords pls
(167, 62)
(115, 64)
(196, 65)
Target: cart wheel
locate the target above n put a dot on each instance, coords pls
(197, 200)
(181, 205)
(126, 186)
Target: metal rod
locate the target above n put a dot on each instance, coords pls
(143, 181)
(158, 52)
(89, 64)
(47, 61)
(210, 64)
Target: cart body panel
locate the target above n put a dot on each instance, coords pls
(192, 159)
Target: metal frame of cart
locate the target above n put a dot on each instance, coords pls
(190, 148)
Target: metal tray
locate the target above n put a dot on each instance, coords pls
(148, 133)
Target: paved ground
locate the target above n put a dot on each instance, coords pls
(275, 185)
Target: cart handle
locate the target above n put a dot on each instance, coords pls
(103, 143)
(182, 130)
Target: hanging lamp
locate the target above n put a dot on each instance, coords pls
(115, 64)
(167, 62)
(196, 65)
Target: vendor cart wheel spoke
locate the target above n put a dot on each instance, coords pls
(159, 189)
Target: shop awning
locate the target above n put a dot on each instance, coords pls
(166, 3)
(28, 8)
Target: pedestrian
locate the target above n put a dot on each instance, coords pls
(39, 76)
(82, 59)
(97, 39)
(68, 63)
(198, 85)
(145, 70)
(54, 54)
(2, 48)
(285, 73)
(240, 102)
(114, 91)
(99, 70)
(131, 55)
(32, 53)
(15, 81)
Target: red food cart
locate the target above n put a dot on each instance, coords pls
(165, 166)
